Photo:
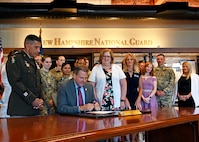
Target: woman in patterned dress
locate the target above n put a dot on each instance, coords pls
(109, 82)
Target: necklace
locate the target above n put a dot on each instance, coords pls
(130, 70)
(106, 67)
(146, 76)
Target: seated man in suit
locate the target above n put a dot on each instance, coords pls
(76, 95)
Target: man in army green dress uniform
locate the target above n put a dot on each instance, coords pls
(165, 83)
(24, 78)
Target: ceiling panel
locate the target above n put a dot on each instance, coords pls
(136, 9)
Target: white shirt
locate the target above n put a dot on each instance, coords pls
(99, 78)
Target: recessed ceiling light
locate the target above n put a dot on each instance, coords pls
(34, 17)
(113, 18)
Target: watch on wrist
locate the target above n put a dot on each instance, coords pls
(122, 100)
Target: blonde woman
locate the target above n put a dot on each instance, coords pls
(131, 70)
(188, 87)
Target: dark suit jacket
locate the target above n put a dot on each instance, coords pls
(67, 98)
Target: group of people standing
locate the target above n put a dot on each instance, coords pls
(147, 86)
(37, 90)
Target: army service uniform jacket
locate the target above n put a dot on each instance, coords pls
(24, 77)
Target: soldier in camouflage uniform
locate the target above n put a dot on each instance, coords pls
(165, 82)
(48, 86)
(56, 72)
(67, 73)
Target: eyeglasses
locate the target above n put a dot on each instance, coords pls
(106, 56)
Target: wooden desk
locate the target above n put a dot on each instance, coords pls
(179, 125)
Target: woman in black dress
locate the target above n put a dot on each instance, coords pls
(188, 97)
(131, 70)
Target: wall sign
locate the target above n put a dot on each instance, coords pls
(104, 37)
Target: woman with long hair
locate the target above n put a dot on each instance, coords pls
(131, 70)
(148, 87)
(188, 87)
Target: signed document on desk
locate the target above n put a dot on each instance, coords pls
(100, 112)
